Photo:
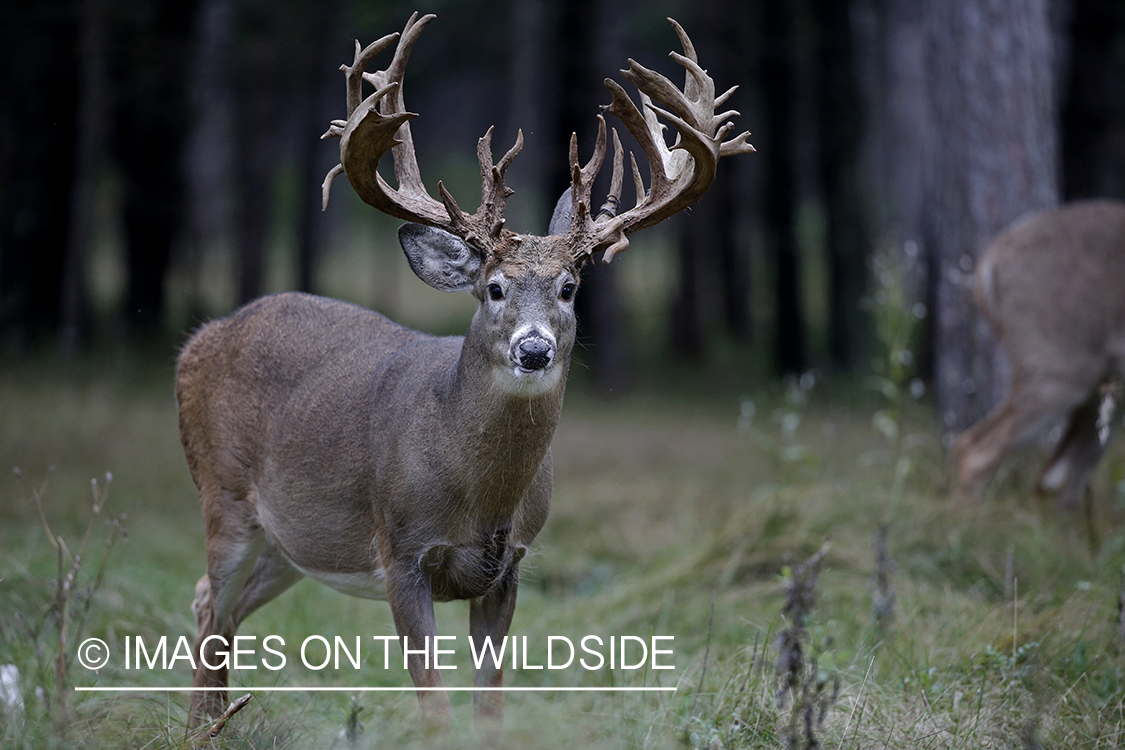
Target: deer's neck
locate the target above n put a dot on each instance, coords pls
(503, 431)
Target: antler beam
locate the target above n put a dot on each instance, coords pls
(381, 123)
(679, 175)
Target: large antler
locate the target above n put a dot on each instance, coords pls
(380, 123)
(679, 175)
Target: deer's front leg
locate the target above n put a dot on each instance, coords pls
(491, 616)
(412, 607)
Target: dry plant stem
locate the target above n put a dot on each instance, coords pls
(753, 658)
(1009, 570)
(64, 588)
(36, 497)
(800, 601)
(1015, 615)
(1121, 612)
(810, 699)
(883, 591)
(61, 606)
(862, 685)
(117, 530)
(232, 709)
(353, 729)
(706, 653)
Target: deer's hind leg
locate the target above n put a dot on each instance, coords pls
(1031, 403)
(1068, 471)
(234, 543)
(272, 575)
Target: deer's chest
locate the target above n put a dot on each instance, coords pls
(469, 571)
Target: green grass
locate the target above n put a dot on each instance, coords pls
(662, 505)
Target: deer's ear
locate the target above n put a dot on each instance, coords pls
(439, 258)
(560, 219)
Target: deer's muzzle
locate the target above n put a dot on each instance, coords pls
(533, 353)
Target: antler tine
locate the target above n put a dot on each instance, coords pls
(354, 74)
(689, 52)
(354, 78)
(613, 199)
(380, 123)
(638, 183)
(582, 179)
(680, 175)
(406, 163)
(634, 122)
(494, 193)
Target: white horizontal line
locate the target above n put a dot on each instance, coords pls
(374, 689)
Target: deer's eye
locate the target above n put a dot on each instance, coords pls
(495, 292)
(567, 292)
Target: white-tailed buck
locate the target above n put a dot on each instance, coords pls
(327, 441)
(1052, 287)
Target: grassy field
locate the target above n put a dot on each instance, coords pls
(687, 516)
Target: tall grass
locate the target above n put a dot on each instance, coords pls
(661, 508)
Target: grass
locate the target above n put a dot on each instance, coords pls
(663, 508)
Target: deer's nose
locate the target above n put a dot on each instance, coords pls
(534, 353)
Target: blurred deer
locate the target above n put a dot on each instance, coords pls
(327, 441)
(1052, 287)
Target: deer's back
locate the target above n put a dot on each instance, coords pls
(293, 379)
(1053, 287)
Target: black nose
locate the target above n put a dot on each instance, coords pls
(534, 353)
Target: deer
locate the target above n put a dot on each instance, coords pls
(1052, 288)
(327, 441)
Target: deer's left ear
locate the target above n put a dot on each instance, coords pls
(560, 217)
(439, 258)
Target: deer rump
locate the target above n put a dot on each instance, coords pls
(1052, 287)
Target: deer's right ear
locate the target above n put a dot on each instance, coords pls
(439, 258)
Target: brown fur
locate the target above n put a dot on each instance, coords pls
(1053, 288)
(323, 437)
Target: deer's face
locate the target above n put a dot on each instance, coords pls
(526, 289)
(526, 284)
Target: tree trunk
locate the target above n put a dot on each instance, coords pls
(38, 96)
(149, 140)
(696, 237)
(258, 141)
(211, 142)
(904, 148)
(778, 85)
(990, 72)
(93, 121)
(589, 49)
(261, 65)
(531, 76)
(313, 160)
(710, 255)
(1087, 107)
(839, 114)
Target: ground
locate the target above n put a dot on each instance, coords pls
(686, 515)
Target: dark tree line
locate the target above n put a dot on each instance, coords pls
(1004, 165)
(922, 124)
(37, 128)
